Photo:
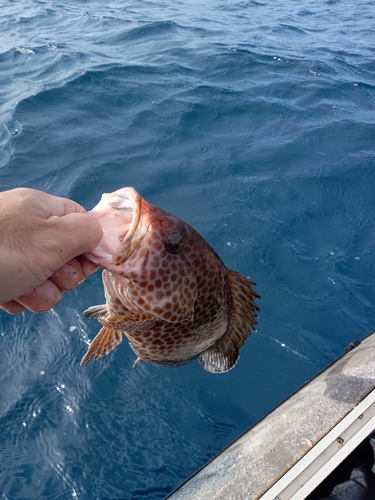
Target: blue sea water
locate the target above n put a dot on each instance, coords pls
(254, 121)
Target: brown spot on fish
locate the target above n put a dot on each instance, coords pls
(166, 289)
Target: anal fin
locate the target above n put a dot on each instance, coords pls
(105, 341)
(224, 353)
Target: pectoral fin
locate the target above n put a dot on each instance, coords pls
(224, 353)
(106, 340)
(95, 311)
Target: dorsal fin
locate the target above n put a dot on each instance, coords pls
(224, 353)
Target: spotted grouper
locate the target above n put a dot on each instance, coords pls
(166, 289)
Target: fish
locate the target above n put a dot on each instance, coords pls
(166, 289)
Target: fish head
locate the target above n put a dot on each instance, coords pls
(148, 254)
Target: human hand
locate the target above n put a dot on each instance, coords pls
(42, 239)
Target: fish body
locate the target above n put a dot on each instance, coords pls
(166, 289)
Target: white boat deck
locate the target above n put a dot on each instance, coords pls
(295, 447)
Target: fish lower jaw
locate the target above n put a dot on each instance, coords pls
(119, 214)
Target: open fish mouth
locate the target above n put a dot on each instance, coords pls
(119, 214)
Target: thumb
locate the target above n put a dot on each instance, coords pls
(78, 233)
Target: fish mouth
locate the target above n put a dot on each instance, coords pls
(119, 214)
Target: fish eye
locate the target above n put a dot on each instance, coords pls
(174, 242)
